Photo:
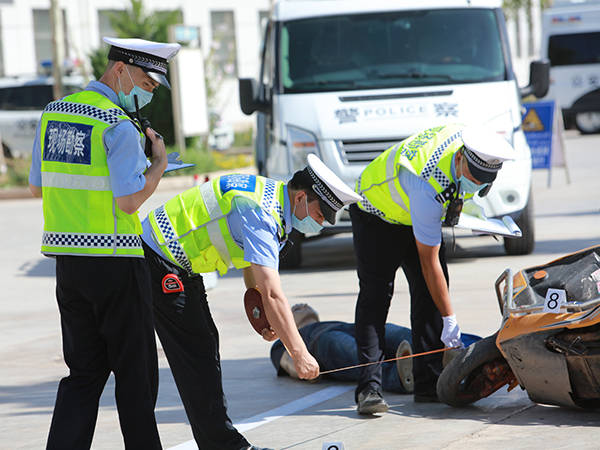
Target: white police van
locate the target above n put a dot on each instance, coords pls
(22, 100)
(571, 41)
(348, 79)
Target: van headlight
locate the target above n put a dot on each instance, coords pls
(300, 143)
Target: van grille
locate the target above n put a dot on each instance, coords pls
(363, 151)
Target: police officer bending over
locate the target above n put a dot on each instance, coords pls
(240, 221)
(89, 166)
(407, 192)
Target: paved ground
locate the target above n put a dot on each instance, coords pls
(282, 413)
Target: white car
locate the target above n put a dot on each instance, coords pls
(22, 100)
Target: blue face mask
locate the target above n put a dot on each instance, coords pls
(127, 100)
(469, 186)
(306, 225)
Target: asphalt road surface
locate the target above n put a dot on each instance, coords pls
(282, 413)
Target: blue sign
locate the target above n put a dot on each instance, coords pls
(238, 182)
(68, 142)
(537, 125)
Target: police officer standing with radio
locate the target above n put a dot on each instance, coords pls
(89, 167)
(407, 193)
(241, 221)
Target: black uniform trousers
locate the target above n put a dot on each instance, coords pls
(381, 248)
(191, 343)
(106, 320)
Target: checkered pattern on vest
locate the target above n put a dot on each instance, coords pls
(109, 116)
(433, 160)
(269, 200)
(166, 228)
(84, 240)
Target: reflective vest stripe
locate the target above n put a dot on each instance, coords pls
(390, 164)
(87, 240)
(70, 181)
(109, 116)
(210, 201)
(390, 171)
(170, 237)
(212, 227)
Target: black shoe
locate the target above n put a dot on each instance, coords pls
(254, 447)
(426, 398)
(370, 402)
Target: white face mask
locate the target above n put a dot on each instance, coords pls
(306, 225)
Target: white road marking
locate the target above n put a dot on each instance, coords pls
(281, 411)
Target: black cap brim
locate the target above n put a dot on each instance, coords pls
(159, 78)
(483, 176)
(327, 211)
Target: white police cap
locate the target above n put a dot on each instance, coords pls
(331, 191)
(485, 151)
(152, 57)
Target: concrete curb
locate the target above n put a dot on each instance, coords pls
(166, 184)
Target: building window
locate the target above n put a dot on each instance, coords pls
(42, 27)
(224, 51)
(104, 26)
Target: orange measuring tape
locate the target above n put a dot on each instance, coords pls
(439, 350)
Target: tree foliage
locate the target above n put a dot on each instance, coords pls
(135, 22)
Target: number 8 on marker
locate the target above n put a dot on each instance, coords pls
(554, 299)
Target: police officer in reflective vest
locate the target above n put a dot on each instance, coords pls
(89, 167)
(233, 220)
(407, 192)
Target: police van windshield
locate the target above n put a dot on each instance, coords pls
(392, 49)
(572, 49)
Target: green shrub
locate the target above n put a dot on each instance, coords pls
(206, 160)
(243, 138)
(17, 173)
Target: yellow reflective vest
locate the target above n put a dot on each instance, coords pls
(192, 231)
(81, 216)
(428, 155)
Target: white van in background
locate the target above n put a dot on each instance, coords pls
(571, 41)
(348, 79)
(22, 100)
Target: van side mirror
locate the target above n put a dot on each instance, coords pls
(250, 97)
(539, 79)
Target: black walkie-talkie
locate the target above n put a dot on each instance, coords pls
(292, 239)
(144, 125)
(454, 209)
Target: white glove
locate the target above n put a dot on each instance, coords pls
(451, 332)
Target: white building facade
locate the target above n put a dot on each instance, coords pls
(231, 28)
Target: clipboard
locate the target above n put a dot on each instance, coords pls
(505, 226)
(173, 163)
(177, 165)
